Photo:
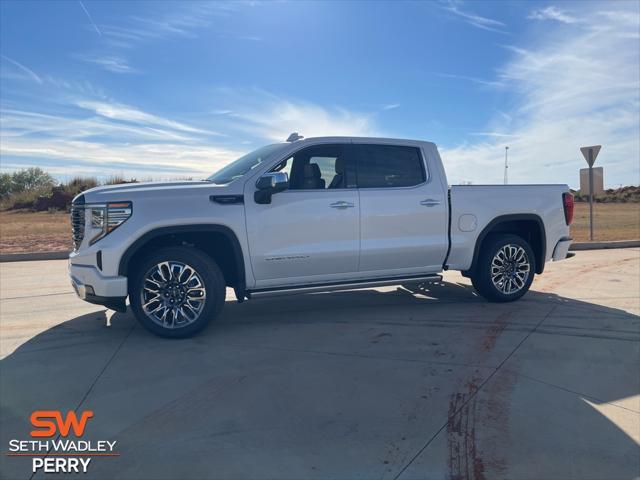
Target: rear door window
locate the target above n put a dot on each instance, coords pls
(388, 166)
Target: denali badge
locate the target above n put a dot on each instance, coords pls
(288, 257)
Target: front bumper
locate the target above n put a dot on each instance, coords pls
(91, 286)
(561, 251)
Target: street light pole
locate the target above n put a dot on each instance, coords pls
(590, 161)
(506, 166)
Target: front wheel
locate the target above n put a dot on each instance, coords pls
(505, 268)
(176, 291)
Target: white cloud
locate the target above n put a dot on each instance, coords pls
(25, 72)
(82, 87)
(552, 13)
(156, 160)
(268, 116)
(484, 23)
(494, 134)
(186, 22)
(89, 136)
(99, 137)
(121, 112)
(156, 24)
(479, 81)
(90, 19)
(20, 123)
(248, 38)
(112, 64)
(578, 86)
(97, 145)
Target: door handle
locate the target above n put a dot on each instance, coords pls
(430, 202)
(341, 204)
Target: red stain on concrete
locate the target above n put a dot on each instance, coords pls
(466, 414)
(494, 331)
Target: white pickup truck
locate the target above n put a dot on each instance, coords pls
(308, 215)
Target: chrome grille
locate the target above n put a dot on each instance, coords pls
(77, 225)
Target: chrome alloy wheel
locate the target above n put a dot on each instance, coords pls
(510, 269)
(173, 294)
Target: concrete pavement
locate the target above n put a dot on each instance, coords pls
(428, 382)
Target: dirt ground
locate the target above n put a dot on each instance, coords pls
(50, 232)
(34, 232)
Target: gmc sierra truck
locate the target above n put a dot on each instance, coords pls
(308, 215)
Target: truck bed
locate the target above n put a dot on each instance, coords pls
(474, 207)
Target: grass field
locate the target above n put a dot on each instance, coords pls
(612, 221)
(48, 232)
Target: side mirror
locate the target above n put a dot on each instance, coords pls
(268, 184)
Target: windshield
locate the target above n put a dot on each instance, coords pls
(242, 165)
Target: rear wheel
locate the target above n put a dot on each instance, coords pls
(505, 268)
(176, 291)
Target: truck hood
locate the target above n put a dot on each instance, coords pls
(126, 191)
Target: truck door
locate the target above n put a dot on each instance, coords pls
(310, 232)
(403, 213)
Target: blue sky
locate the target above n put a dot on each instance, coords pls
(168, 90)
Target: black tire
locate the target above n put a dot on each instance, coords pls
(481, 278)
(209, 276)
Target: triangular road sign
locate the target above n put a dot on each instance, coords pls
(585, 153)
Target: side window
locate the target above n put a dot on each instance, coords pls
(381, 166)
(326, 167)
(318, 168)
(284, 166)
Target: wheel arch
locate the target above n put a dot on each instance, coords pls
(218, 241)
(526, 225)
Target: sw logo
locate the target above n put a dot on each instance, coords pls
(44, 419)
(60, 454)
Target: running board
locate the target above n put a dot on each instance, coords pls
(331, 287)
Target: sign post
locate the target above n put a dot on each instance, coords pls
(590, 154)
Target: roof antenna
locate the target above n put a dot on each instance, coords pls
(294, 137)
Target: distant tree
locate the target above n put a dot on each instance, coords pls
(33, 178)
(5, 184)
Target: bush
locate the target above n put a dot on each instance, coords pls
(5, 184)
(79, 184)
(59, 199)
(20, 200)
(28, 179)
(629, 194)
(118, 179)
(35, 189)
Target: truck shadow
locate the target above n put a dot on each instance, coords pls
(280, 349)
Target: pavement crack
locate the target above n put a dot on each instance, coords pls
(580, 394)
(31, 297)
(95, 381)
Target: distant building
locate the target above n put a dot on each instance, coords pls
(598, 181)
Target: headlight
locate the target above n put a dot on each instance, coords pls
(97, 217)
(107, 217)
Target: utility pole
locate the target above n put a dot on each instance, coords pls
(506, 166)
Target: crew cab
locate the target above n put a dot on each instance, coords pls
(308, 215)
